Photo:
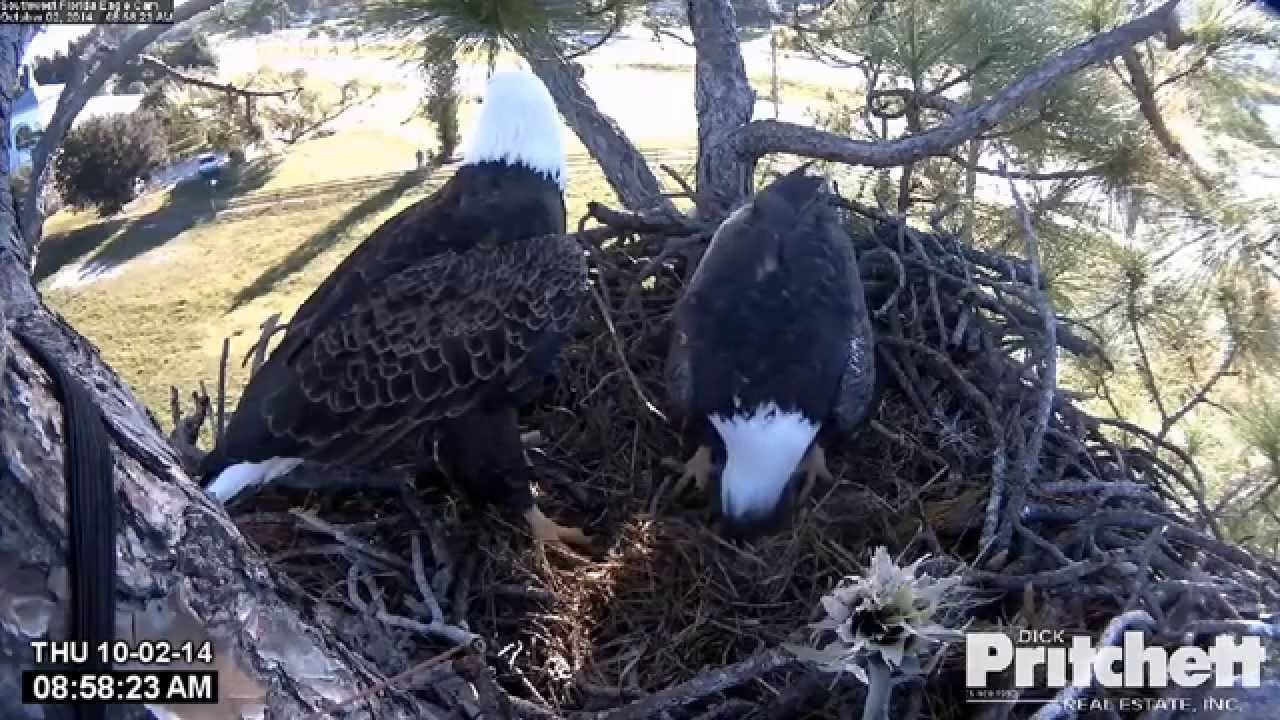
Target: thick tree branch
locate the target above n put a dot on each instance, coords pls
(770, 136)
(73, 99)
(724, 101)
(1048, 376)
(1145, 92)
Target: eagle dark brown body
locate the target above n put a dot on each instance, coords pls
(771, 350)
(444, 321)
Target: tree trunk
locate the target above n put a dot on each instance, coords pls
(724, 101)
(184, 572)
(624, 167)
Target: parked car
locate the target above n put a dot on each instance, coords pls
(209, 165)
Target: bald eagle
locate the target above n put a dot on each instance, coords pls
(771, 352)
(444, 321)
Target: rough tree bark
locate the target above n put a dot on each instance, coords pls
(185, 572)
(724, 101)
(84, 84)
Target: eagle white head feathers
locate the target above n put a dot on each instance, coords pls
(519, 125)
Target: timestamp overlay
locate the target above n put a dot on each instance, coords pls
(85, 12)
(159, 672)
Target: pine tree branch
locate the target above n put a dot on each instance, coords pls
(1145, 92)
(1075, 174)
(965, 76)
(158, 64)
(1049, 377)
(1201, 395)
(1148, 372)
(930, 100)
(762, 137)
(615, 25)
(1190, 70)
(1194, 489)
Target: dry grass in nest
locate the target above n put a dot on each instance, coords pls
(666, 599)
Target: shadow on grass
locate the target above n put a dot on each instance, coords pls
(116, 241)
(317, 244)
(58, 251)
(233, 182)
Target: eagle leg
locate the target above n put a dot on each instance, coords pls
(813, 466)
(549, 531)
(697, 468)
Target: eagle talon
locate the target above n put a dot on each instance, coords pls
(697, 469)
(546, 530)
(814, 466)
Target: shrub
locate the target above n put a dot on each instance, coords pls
(102, 157)
(194, 52)
(262, 25)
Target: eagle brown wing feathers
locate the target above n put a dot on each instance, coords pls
(458, 302)
(435, 341)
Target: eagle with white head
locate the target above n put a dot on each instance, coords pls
(442, 323)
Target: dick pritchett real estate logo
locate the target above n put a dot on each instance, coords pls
(1034, 665)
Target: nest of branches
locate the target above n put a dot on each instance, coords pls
(1052, 517)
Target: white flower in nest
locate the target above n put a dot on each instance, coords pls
(887, 613)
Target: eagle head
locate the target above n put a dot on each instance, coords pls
(763, 448)
(518, 125)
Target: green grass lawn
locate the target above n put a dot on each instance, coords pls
(789, 89)
(351, 153)
(173, 278)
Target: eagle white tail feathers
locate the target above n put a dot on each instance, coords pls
(763, 447)
(236, 478)
(519, 125)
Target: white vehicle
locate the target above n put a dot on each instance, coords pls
(209, 164)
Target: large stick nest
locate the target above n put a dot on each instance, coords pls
(1096, 528)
